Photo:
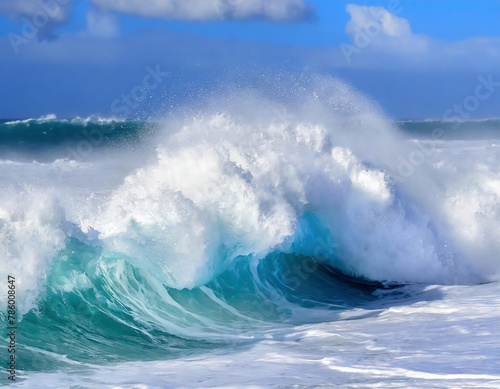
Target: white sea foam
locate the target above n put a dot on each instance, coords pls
(30, 237)
(41, 119)
(95, 118)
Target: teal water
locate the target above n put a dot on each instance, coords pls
(99, 309)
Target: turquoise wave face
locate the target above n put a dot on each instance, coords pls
(100, 309)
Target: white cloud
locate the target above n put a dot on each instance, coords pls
(272, 10)
(380, 39)
(364, 17)
(45, 15)
(102, 25)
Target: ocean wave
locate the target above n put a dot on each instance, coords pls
(250, 213)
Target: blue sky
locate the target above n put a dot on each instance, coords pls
(417, 58)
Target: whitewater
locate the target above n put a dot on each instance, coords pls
(287, 237)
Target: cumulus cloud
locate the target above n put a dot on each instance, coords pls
(381, 39)
(46, 16)
(365, 17)
(42, 18)
(377, 32)
(275, 10)
(102, 25)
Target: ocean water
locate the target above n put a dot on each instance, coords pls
(296, 238)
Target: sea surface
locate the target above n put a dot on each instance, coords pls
(286, 240)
